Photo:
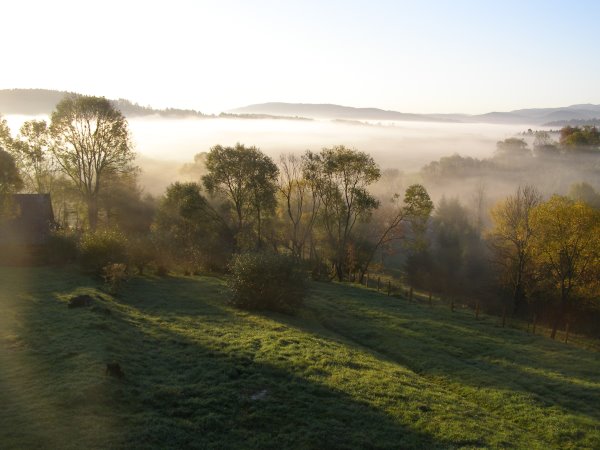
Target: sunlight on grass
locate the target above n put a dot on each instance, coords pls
(353, 369)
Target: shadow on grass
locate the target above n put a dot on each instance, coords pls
(180, 390)
(455, 347)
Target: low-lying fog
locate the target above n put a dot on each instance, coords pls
(406, 145)
(164, 144)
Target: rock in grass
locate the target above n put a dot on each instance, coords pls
(114, 370)
(80, 301)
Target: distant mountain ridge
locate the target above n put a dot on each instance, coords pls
(331, 111)
(532, 116)
(43, 101)
(34, 102)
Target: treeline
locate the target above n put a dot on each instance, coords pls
(315, 214)
(516, 154)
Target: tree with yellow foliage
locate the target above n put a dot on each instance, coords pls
(566, 250)
(511, 240)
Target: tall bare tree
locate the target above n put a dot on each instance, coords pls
(301, 202)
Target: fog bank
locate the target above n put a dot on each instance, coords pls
(164, 144)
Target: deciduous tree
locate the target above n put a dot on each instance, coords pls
(91, 141)
(566, 248)
(34, 157)
(188, 228)
(341, 177)
(247, 178)
(10, 181)
(511, 240)
(405, 219)
(300, 203)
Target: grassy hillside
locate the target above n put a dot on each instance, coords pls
(356, 369)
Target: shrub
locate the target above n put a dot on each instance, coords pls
(114, 276)
(102, 248)
(267, 281)
(141, 253)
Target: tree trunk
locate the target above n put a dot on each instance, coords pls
(259, 231)
(92, 204)
(559, 315)
(339, 273)
(517, 298)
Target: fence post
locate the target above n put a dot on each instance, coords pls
(378, 284)
(389, 287)
(367, 280)
(534, 322)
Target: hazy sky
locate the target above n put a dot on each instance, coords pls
(412, 56)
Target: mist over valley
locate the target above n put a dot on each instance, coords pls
(300, 225)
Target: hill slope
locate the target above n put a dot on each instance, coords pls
(325, 111)
(43, 101)
(356, 369)
(522, 116)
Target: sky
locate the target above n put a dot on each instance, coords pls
(411, 56)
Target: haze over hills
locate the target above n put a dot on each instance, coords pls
(533, 116)
(43, 101)
(330, 111)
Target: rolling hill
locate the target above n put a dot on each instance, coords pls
(534, 116)
(43, 101)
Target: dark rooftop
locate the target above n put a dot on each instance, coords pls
(32, 222)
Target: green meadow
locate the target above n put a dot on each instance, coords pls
(353, 369)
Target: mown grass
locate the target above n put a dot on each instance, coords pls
(355, 369)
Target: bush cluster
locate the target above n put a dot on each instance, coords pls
(102, 248)
(267, 281)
